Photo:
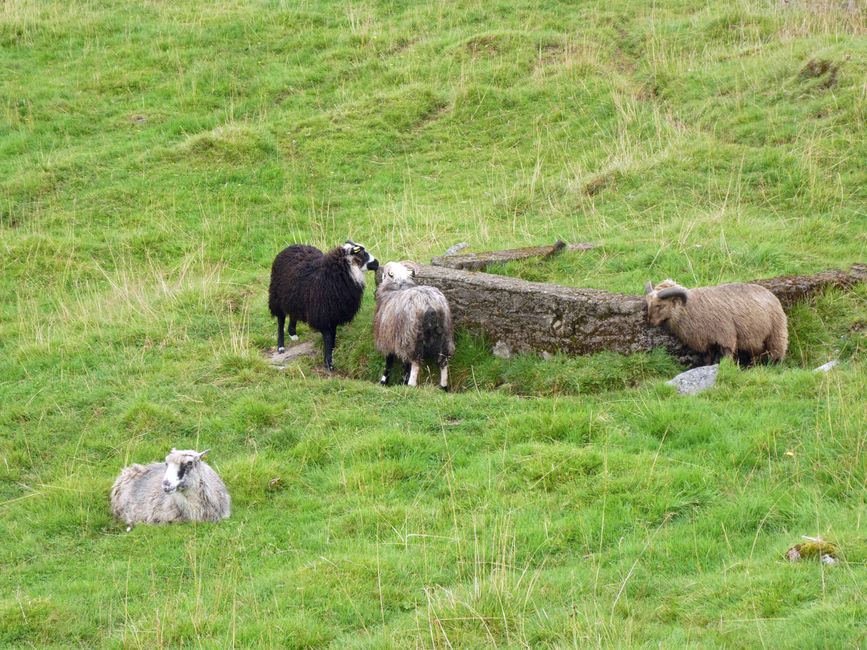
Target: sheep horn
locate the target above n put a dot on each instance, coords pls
(202, 453)
(673, 292)
(648, 288)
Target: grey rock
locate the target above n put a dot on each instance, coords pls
(696, 380)
(280, 359)
(502, 350)
(826, 367)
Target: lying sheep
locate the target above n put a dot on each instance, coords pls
(412, 323)
(322, 290)
(721, 321)
(184, 488)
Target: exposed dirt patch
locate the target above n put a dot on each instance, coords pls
(487, 45)
(437, 112)
(821, 69)
(400, 45)
(286, 93)
(596, 185)
(554, 57)
(648, 92)
(553, 52)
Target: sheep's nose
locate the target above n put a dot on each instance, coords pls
(372, 265)
(167, 487)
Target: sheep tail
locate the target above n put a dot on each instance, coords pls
(778, 341)
(430, 325)
(433, 336)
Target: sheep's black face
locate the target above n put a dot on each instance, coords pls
(359, 257)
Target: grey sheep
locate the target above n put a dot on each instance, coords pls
(721, 321)
(412, 323)
(183, 488)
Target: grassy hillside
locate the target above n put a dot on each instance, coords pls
(155, 156)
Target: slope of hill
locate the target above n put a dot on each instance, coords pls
(155, 157)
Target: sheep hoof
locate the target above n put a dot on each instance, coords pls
(444, 389)
(281, 350)
(293, 337)
(128, 528)
(383, 381)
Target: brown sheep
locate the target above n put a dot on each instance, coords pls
(721, 321)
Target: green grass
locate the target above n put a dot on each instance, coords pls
(155, 156)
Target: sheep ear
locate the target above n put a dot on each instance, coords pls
(202, 453)
(173, 450)
(648, 288)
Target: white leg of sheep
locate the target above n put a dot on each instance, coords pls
(444, 377)
(413, 374)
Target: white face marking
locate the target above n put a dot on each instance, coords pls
(397, 273)
(357, 273)
(352, 248)
(174, 479)
(171, 482)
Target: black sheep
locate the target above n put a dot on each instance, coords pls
(323, 290)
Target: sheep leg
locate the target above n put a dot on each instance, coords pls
(281, 321)
(389, 361)
(413, 373)
(444, 377)
(328, 338)
(406, 368)
(292, 323)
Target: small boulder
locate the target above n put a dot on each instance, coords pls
(280, 359)
(815, 548)
(696, 380)
(502, 350)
